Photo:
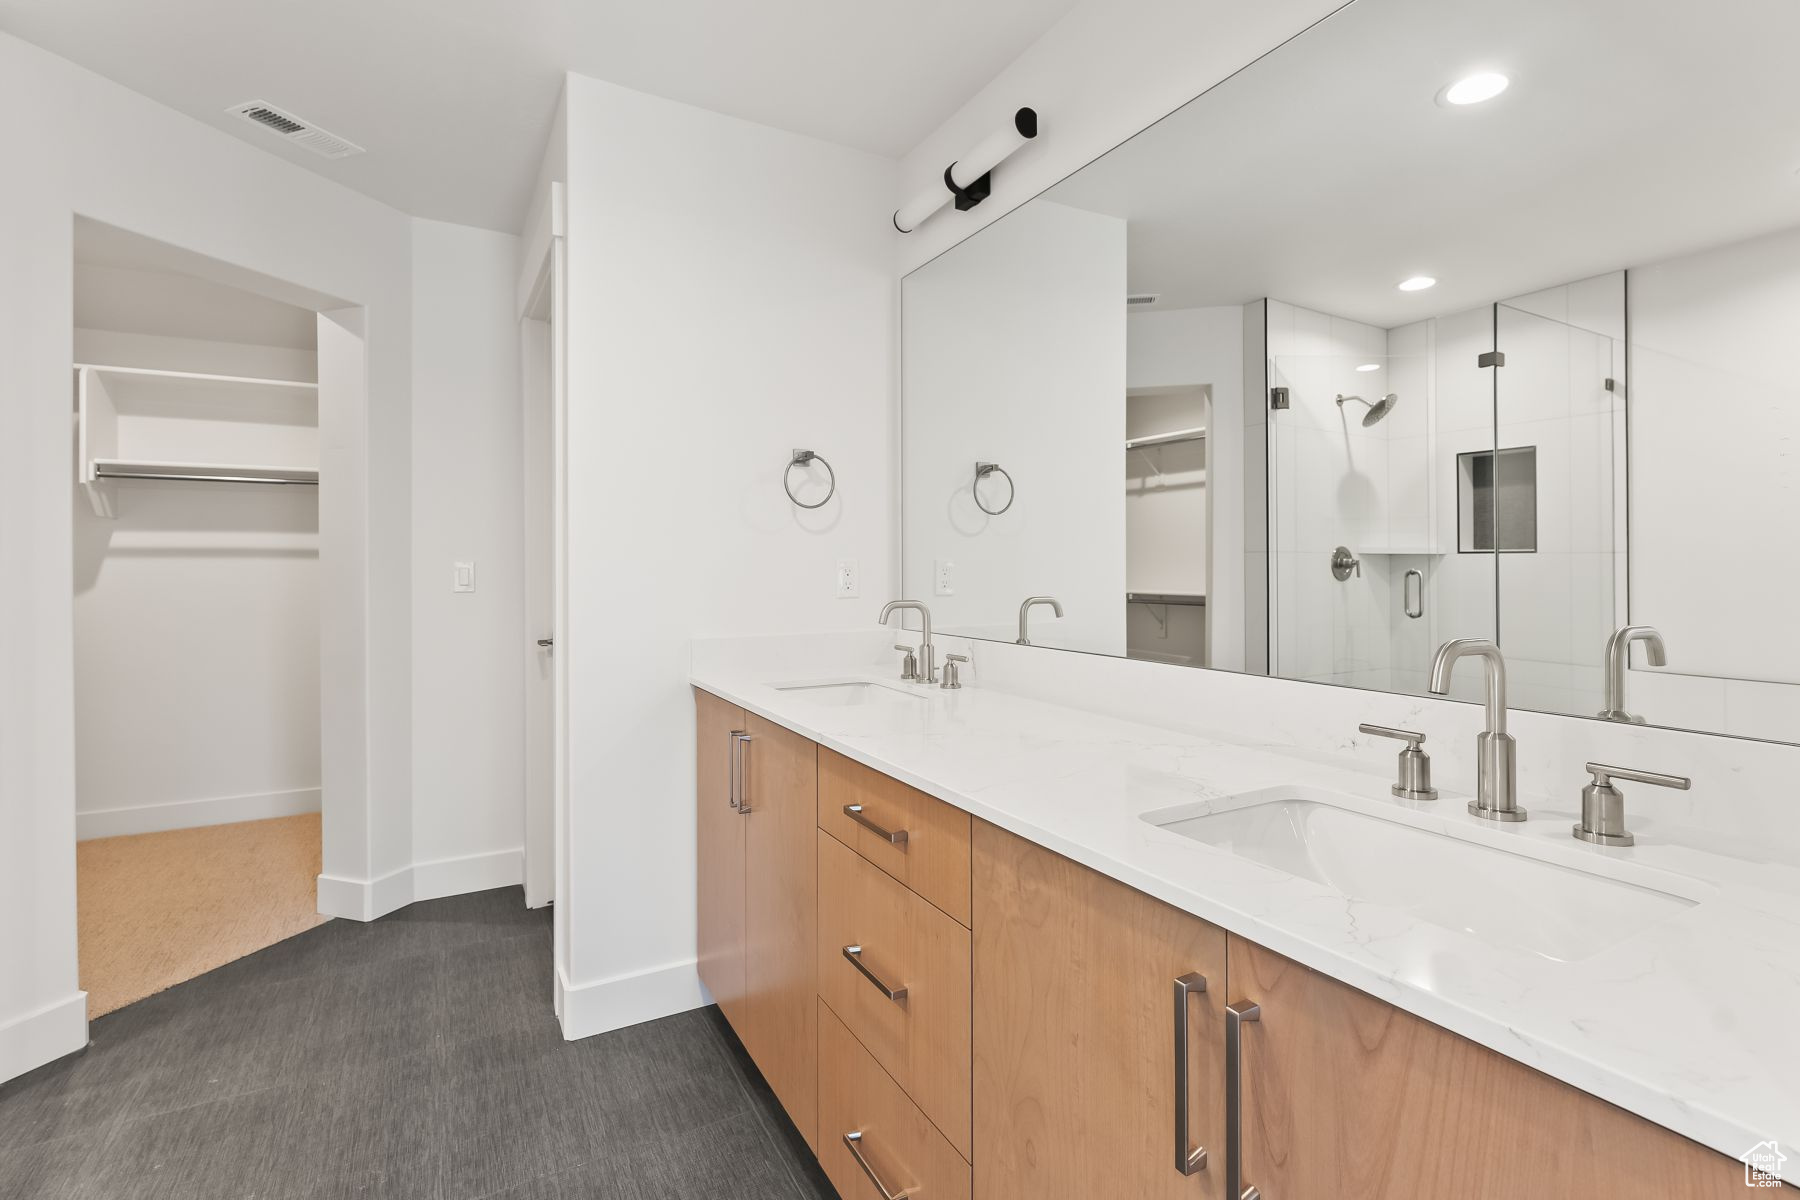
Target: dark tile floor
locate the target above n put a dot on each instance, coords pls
(413, 1058)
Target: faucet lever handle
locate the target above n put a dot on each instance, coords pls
(1413, 740)
(1604, 775)
(906, 649)
(1414, 765)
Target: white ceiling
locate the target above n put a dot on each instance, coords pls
(453, 98)
(1634, 130)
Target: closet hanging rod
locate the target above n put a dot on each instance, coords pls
(1188, 599)
(108, 473)
(1166, 439)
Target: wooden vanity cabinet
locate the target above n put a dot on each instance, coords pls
(1021, 1038)
(1348, 1097)
(1075, 1011)
(760, 956)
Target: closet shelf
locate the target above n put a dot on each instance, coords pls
(121, 468)
(1197, 434)
(200, 377)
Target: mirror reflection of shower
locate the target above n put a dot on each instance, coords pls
(1377, 410)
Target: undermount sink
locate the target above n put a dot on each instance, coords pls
(851, 693)
(1496, 895)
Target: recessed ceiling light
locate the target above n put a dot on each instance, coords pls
(1370, 367)
(1473, 89)
(1417, 283)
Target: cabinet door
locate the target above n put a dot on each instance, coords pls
(780, 790)
(720, 856)
(1347, 1096)
(1075, 1033)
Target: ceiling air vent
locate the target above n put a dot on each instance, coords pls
(1142, 300)
(296, 131)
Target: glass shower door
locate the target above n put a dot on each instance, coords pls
(1559, 489)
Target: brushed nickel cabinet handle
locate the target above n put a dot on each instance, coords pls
(1187, 1161)
(1235, 1016)
(894, 837)
(854, 1140)
(734, 769)
(743, 757)
(854, 955)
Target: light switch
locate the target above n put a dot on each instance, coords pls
(943, 574)
(848, 586)
(462, 577)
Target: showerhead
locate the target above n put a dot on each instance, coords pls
(1377, 410)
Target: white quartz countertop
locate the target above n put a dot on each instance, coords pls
(1693, 1023)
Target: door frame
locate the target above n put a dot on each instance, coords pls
(542, 344)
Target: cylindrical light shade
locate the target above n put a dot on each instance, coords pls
(916, 212)
(993, 150)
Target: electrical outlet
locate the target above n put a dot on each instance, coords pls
(848, 582)
(943, 575)
(462, 577)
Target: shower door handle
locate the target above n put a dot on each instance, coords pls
(1412, 592)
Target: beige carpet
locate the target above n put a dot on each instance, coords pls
(158, 908)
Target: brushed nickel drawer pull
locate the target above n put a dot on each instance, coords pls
(854, 1140)
(854, 955)
(894, 837)
(1186, 1161)
(743, 748)
(736, 768)
(1235, 1016)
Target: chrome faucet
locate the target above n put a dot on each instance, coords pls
(1025, 615)
(927, 671)
(1618, 657)
(1496, 771)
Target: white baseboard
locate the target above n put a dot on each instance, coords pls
(191, 814)
(30, 1041)
(367, 899)
(606, 1004)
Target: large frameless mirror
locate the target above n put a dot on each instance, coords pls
(1443, 320)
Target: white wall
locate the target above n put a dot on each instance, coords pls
(730, 298)
(196, 605)
(1715, 419)
(1015, 354)
(1098, 76)
(469, 649)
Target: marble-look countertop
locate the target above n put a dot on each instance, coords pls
(1694, 1023)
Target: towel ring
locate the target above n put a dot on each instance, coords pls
(800, 459)
(982, 471)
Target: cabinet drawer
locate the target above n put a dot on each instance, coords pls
(921, 1037)
(860, 1106)
(932, 858)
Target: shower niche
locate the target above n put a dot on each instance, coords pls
(1496, 501)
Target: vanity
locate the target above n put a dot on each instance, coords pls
(983, 945)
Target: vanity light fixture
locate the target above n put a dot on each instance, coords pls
(1417, 283)
(1474, 89)
(969, 179)
(1370, 367)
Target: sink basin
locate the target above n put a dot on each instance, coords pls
(1469, 887)
(858, 693)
